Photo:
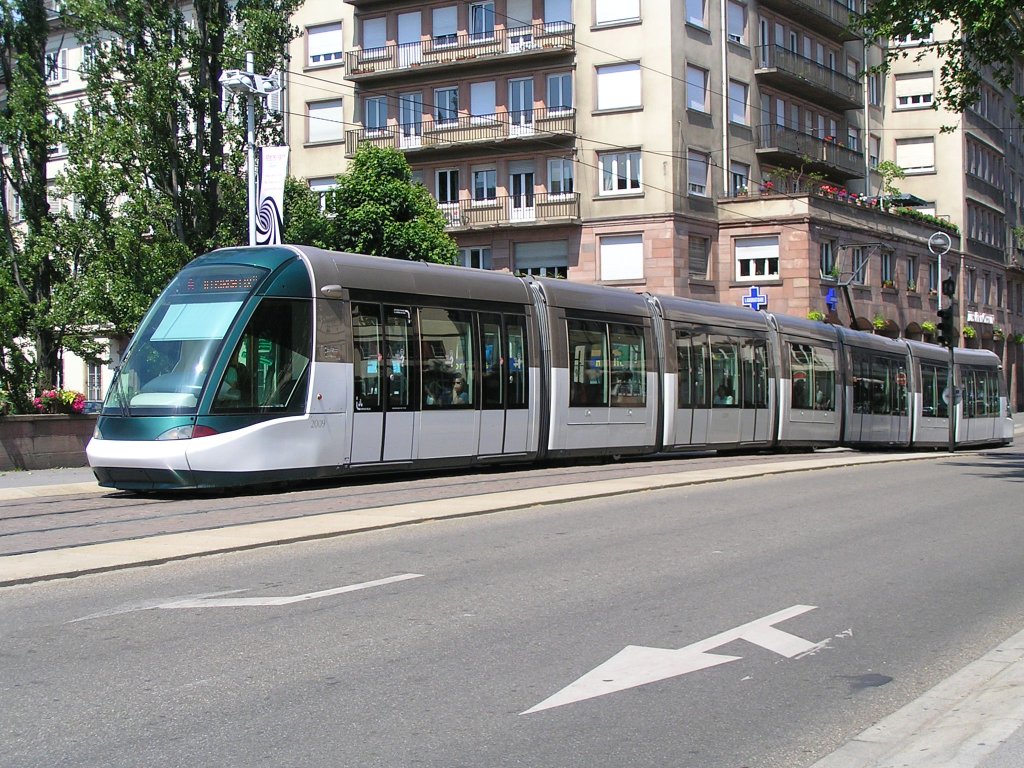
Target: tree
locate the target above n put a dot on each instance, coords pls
(987, 35)
(377, 209)
(28, 270)
(154, 168)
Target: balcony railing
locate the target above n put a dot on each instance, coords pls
(786, 147)
(445, 50)
(787, 70)
(432, 132)
(530, 208)
(827, 16)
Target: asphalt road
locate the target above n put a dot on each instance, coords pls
(902, 574)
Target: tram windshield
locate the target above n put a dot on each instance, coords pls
(172, 353)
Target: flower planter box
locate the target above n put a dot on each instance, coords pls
(44, 441)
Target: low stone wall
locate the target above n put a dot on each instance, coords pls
(44, 441)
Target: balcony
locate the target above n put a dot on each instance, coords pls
(461, 49)
(793, 73)
(522, 127)
(787, 148)
(541, 208)
(828, 17)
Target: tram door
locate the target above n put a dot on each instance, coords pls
(383, 419)
(726, 391)
(504, 417)
(691, 422)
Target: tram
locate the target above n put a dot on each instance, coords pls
(289, 363)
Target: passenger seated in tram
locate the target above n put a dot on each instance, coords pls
(459, 394)
(723, 395)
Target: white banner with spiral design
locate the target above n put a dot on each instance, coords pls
(270, 211)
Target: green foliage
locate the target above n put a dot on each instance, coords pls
(929, 327)
(879, 322)
(816, 315)
(377, 209)
(976, 35)
(969, 332)
(913, 213)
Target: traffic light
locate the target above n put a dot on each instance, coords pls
(947, 331)
(949, 287)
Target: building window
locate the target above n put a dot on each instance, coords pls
(482, 102)
(737, 22)
(696, 13)
(618, 86)
(972, 284)
(445, 26)
(860, 266)
(933, 277)
(698, 249)
(739, 178)
(481, 21)
(827, 258)
(914, 90)
(477, 258)
(916, 155)
(323, 45)
(560, 177)
(549, 258)
(874, 89)
(448, 186)
(322, 186)
(738, 103)
(325, 121)
(888, 277)
(446, 106)
(560, 92)
(94, 381)
(696, 88)
(616, 11)
(57, 66)
(874, 150)
(375, 38)
(621, 257)
(375, 115)
(620, 172)
(757, 258)
(485, 185)
(697, 173)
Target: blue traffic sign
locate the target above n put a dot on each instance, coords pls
(755, 299)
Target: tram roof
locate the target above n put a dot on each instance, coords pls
(594, 298)
(711, 313)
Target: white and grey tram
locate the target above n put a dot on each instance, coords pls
(287, 363)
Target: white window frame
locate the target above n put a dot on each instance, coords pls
(616, 11)
(621, 172)
(485, 179)
(736, 14)
(698, 166)
(321, 186)
(696, 83)
(324, 45)
(325, 121)
(57, 66)
(446, 106)
(697, 13)
(618, 86)
(914, 90)
(757, 258)
(376, 106)
(481, 21)
(621, 257)
(559, 93)
(561, 178)
(738, 107)
(912, 154)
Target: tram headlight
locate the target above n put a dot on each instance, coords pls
(186, 432)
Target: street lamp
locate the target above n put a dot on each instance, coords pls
(244, 82)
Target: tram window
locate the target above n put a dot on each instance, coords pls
(400, 371)
(493, 362)
(813, 377)
(691, 360)
(725, 376)
(933, 384)
(367, 355)
(754, 359)
(449, 365)
(588, 352)
(517, 363)
(861, 369)
(628, 365)
(993, 393)
(268, 369)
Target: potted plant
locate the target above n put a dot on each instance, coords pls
(929, 327)
(911, 286)
(998, 333)
(816, 315)
(1018, 338)
(888, 284)
(969, 332)
(879, 322)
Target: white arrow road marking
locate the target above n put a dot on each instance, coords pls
(215, 599)
(637, 665)
(248, 602)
